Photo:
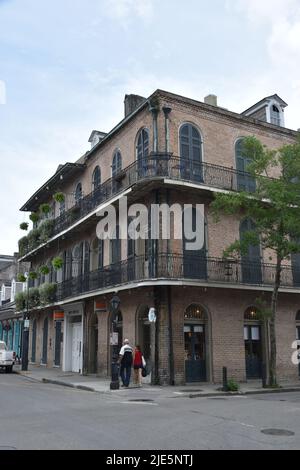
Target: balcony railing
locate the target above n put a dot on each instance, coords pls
(177, 267)
(155, 166)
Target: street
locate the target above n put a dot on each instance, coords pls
(46, 416)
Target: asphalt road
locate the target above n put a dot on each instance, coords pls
(44, 416)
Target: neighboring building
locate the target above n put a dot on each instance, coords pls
(167, 149)
(11, 322)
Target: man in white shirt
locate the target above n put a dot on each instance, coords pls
(125, 359)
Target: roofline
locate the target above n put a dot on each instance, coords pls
(49, 181)
(261, 102)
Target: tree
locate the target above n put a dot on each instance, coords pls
(274, 207)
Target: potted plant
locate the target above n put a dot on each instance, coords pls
(34, 217)
(24, 226)
(44, 270)
(57, 263)
(32, 275)
(45, 208)
(21, 277)
(59, 197)
(47, 293)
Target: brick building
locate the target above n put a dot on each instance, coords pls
(167, 149)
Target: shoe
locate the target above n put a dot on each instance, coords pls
(123, 385)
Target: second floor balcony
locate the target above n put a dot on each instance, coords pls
(156, 167)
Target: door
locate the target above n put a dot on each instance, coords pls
(251, 264)
(115, 267)
(190, 153)
(45, 342)
(298, 347)
(245, 182)
(194, 261)
(253, 351)
(57, 343)
(33, 342)
(76, 347)
(195, 354)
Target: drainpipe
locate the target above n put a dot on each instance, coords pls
(154, 109)
(171, 350)
(167, 110)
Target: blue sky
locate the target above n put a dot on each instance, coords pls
(66, 65)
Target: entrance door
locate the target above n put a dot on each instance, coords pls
(45, 341)
(194, 346)
(76, 347)
(298, 347)
(253, 351)
(57, 343)
(33, 342)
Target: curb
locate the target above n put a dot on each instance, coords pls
(250, 392)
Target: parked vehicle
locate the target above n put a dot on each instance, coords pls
(7, 358)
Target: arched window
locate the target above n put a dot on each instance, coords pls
(190, 153)
(142, 146)
(77, 261)
(245, 182)
(251, 313)
(195, 312)
(78, 193)
(251, 264)
(116, 163)
(96, 255)
(96, 178)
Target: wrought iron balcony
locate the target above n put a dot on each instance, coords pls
(177, 267)
(155, 166)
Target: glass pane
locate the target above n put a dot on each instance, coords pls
(186, 328)
(246, 334)
(198, 329)
(255, 332)
(199, 350)
(188, 346)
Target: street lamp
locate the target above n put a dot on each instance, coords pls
(25, 339)
(114, 309)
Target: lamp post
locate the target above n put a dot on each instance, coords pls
(114, 309)
(25, 339)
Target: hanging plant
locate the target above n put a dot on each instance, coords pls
(34, 217)
(59, 197)
(32, 275)
(44, 270)
(45, 208)
(21, 277)
(24, 226)
(57, 263)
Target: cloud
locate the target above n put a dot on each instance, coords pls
(126, 10)
(2, 92)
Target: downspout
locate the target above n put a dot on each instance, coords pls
(171, 350)
(167, 110)
(154, 109)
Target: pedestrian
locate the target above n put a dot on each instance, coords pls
(138, 365)
(125, 359)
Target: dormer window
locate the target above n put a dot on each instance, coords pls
(275, 115)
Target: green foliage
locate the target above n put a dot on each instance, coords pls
(59, 197)
(21, 277)
(33, 297)
(33, 239)
(23, 244)
(47, 293)
(24, 226)
(32, 275)
(264, 312)
(20, 300)
(34, 217)
(232, 385)
(57, 263)
(45, 208)
(46, 230)
(44, 270)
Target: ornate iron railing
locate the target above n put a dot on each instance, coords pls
(177, 267)
(155, 166)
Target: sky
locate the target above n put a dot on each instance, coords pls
(66, 65)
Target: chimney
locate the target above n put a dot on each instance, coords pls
(211, 99)
(132, 102)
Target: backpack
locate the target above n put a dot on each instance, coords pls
(127, 358)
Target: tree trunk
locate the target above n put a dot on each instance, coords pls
(272, 365)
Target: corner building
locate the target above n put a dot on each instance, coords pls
(167, 149)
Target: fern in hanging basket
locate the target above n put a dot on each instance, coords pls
(32, 275)
(45, 208)
(24, 226)
(57, 263)
(59, 197)
(21, 277)
(44, 270)
(34, 217)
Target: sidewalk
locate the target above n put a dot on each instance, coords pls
(97, 384)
